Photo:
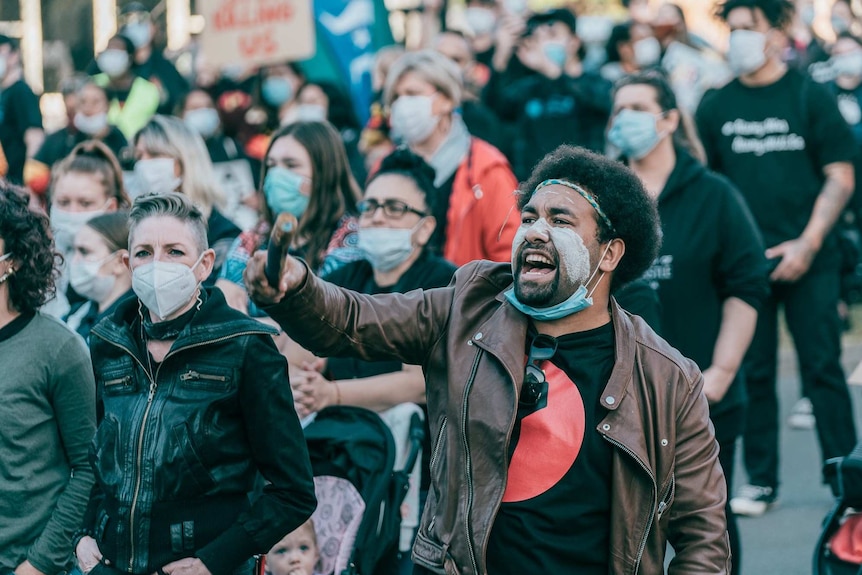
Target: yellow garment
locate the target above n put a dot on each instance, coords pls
(140, 106)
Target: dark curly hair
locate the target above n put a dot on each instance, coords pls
(621, 196)
(405, 163)
(26, 236)
(779, 13)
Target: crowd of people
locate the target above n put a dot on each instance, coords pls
(571, 253)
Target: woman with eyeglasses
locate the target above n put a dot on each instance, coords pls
(306, 173)
(710, 274)
(395, 225)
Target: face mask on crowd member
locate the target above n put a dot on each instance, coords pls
(158, 175)
(140, 33)
(169, 260)
(113, 62)
(280, 85)
(200, 114)
(754, 41)
(647, 52)
(91, 117)
(413, 119)
(94, 268)
(846, 61)
(287, 184)
(76, 197)
(481, 20)
(394, 224)
(639, 123)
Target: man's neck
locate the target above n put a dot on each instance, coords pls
(655, 168)
(769, 74)
(848, 82)
(142, 55)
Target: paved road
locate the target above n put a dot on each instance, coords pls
(783, 540)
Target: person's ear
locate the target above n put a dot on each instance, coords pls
(111, 205)
(776, 42)
(423, 233)
(443, 106)
(119, 263)
(205, 268)
(670, 122)
(126, 260)
(616, 249)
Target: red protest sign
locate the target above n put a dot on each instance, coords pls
(257, 32)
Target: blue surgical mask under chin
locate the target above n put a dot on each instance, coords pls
(576, 302)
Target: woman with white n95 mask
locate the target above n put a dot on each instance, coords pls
(196, 406)
(710, 273)
(475, 217)
(171, 157)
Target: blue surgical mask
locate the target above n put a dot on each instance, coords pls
(839, 25)
(283, 191)
(555, 52)
(634, 133)
(576, 302)
(276, 90)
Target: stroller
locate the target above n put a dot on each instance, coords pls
(358, 521)
(839, 548)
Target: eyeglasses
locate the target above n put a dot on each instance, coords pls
(394, 209)
(535, 386)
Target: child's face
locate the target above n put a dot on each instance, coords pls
(296, 554)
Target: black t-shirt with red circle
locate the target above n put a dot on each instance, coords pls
(555, 516)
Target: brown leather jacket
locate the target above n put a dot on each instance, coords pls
(667, 482)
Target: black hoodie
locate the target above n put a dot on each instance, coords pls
(711, 250)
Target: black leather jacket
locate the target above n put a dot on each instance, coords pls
(180, 443)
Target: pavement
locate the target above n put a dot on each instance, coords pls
(782, 541)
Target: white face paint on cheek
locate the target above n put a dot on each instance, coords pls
(574, 253)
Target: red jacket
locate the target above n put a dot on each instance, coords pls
(483, 216)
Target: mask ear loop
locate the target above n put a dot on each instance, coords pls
(601, 277)
(503, 227)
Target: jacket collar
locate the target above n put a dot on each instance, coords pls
(215, 320)
(504, 335)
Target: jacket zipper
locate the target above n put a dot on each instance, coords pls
(192, 374)
(435, 454)
(652, 513)
(668, 493)
(469, 509)
(140, 445)
(118, 381)
(499, 503)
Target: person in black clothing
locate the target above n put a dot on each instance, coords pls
(193, 404)
(238, 174)
(480, 120)
(781, 139)
(561, 103)
(710, 273)
(90, 122)
(21, 131)
(149, 62)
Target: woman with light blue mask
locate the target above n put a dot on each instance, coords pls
(710, 275)
(306, 173)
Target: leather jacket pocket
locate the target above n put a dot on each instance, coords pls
(105, 449)
(206, 378)
(193, 478)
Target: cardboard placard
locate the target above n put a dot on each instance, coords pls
(257, 32)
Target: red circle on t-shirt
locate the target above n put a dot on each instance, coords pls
(550, 440)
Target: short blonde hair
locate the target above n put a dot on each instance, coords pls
(170, 137)
(431, 66)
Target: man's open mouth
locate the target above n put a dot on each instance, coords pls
(537, 264)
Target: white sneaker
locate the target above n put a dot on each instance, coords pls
(802, 415)
(753, 500)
